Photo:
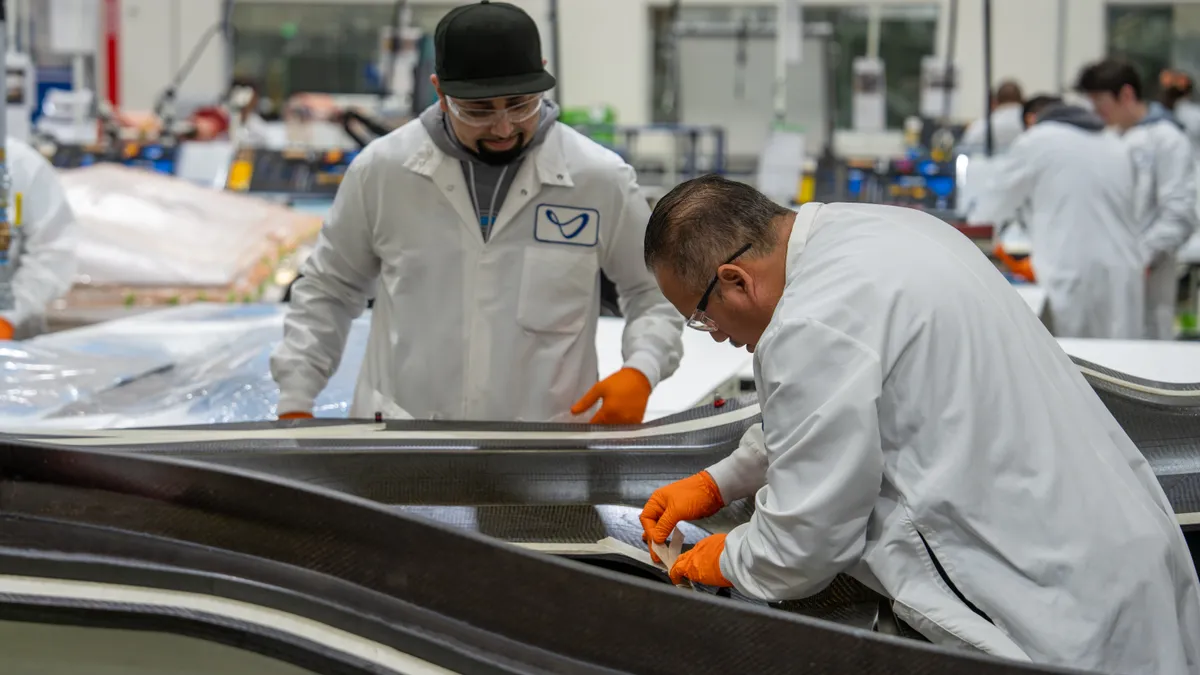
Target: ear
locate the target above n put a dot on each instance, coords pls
(733, 280)
(433, 79)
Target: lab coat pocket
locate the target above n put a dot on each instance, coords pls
(558, 288)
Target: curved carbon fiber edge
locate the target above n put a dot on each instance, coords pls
(584, 615)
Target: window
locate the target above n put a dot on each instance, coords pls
(907, 34)
(328, 47)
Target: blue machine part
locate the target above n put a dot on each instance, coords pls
(854, 178)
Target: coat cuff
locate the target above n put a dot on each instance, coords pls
(646, 364)
(292, 402)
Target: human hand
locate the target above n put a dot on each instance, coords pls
(692, 498)
(702, 564)
(625, 394)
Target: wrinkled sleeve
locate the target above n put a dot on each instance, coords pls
(824, 463)
(653, 338)
(1175, 192)
(47, 264)
(1008, 186)
(744, 471)
(328, 297)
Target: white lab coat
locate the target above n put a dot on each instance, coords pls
(1007, 123)
(915, 410)
(42, 260)
(1085, 239)
(1165, 201)
(467, 330)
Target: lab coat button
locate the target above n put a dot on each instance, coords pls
(524, 192)
(449, 188)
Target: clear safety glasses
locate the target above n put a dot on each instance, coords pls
(482, 114)
(700, 320)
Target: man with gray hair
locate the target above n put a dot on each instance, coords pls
(922, 432)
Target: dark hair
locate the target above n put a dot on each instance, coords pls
(703, 221)
(1110, 75)
(1008, 92)
(1176, 86)
(1037, 104)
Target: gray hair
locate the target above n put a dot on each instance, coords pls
(700, 223)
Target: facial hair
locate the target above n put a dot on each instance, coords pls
(502, 157)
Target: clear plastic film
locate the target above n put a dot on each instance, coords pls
(148, 238)
(200, 364)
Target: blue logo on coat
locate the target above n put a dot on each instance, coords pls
(571, 225)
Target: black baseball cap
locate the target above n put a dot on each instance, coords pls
(489, 50)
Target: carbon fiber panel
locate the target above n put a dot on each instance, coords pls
(494, 603)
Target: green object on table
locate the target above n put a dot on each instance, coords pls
(596, 122)
(1188, 323)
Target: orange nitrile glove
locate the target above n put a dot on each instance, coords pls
(702, 564)
(1022, 268)
(625, 394)
(6, 330)
(692, 498)
(296, 416)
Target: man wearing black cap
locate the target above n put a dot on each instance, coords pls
(485, 224)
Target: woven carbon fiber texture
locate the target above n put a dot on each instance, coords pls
(518, 607)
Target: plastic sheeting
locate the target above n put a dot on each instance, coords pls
(199, 364)
(147, 238)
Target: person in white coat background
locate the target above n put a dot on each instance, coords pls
(1079, 185)
(37, 257)
(485, 224)
(1165, 184)
(922, 432)
(1006, 118)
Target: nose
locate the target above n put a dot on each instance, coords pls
(503, 127)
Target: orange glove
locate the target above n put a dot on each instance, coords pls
(1022, 268)
(296, 416)
(6, 330)
(692, 498)
(625, 394)
(702, 564)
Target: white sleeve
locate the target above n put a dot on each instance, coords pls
(744, 471)
(1175, 193)
(331, 293)
(972, 140)
(47, 263)
(825, 463)
(652, 341)
(1008, 186)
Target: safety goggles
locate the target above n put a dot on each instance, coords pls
(482, 114)
(700, 320)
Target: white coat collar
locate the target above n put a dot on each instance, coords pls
(549, 159)
(805, 225)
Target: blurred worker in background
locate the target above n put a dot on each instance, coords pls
(1078, 182)
(1006, 122)
(486, 223)
(37, 250)
(1176, 96)
(1165, 187)
(921, 432)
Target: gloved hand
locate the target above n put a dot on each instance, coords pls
(625, 394)
(702, 564)
(1022, 268)
(296, 416)
(692, 498)
(6, 330)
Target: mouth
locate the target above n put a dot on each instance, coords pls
(501, 145)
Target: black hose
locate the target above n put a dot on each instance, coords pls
(168, 94)
(371, 125)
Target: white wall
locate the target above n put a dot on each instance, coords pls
(156, 37)
(607, 51)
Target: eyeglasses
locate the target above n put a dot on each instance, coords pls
(476, 115)
(700, 320)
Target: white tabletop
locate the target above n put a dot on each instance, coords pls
(706, 366)
(1161, 360)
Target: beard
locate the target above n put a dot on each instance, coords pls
(500, 157)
